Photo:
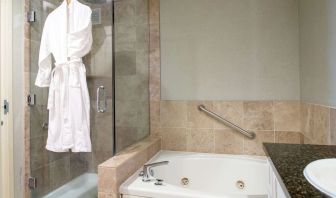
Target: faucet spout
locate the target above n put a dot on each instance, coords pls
(146, 168)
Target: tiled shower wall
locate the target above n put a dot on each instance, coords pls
(132, 71)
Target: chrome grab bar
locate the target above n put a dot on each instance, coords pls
(249, 134)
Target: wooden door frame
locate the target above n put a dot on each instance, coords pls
(6, 133)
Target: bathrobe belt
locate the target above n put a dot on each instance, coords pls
(65, 75)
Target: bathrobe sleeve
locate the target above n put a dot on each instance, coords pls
(44, 71)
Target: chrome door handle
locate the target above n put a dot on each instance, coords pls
(101, 99)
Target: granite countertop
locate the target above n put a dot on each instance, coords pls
(290, 161)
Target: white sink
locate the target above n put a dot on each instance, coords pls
(322, 175)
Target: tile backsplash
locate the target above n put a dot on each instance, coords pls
(183, 127)
(318, 124)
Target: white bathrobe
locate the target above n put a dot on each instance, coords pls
(67, 36)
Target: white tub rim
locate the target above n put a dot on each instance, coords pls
(123, 189)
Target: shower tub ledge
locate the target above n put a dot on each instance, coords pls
(83, 186)
(207, 176)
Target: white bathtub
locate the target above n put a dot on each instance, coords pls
(209, 175)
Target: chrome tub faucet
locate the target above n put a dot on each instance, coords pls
(145, 173)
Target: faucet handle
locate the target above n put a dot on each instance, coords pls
(156, 164)
(158, 182)
(147, 172)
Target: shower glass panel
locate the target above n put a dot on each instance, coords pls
(77, 171)
(117, 64)
(131, 71)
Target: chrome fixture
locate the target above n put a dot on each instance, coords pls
(5, 107)
(31, 99)
(240, 184)
(158, 182)
(32, 183)
(101, 103)
(184, 181)
(145, 173)
(31, 16)
(249, 134)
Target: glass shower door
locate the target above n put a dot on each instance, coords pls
(131, 71)
(55, 171)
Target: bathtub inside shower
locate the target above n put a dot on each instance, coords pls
(198, 175)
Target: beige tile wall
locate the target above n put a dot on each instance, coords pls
(318, 124)
(184, 128)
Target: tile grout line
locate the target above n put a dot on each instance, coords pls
(273, 114)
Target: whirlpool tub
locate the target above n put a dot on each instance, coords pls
(198, 175)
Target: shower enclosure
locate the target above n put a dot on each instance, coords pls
(117, 77)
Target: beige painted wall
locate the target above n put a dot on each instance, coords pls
(230, 50)
(318, 51)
